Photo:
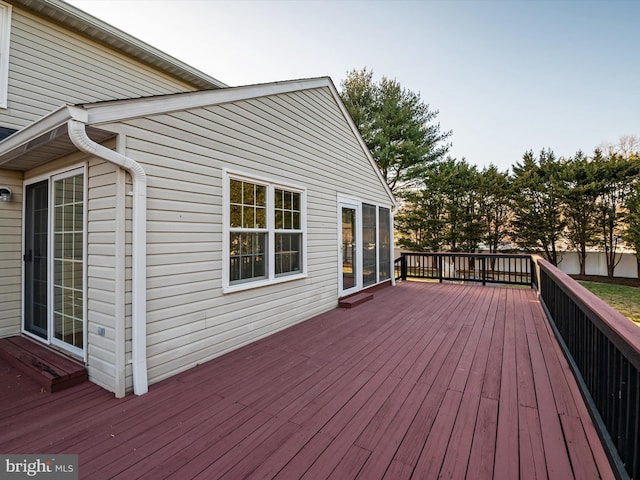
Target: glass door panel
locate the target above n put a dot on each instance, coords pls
(68, 261)
(35, 258)
(369, 252)
(349, 249)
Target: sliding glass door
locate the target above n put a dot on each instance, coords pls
(365, 249)
(54, 258)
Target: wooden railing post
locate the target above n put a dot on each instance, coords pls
(403, 267)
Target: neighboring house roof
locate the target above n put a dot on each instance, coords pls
(47, 138)
(87, 25)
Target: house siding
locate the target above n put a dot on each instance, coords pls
(299, 138)
(50, 66)
(106, 276)
(11, 255)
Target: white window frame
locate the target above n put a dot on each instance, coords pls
(271, 277)
(5, 36)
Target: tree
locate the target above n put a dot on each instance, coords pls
(495, 205)
(627, 146)
(460, 186)
(421, 221)
(579, 197)
(632, 234)
(616, 180)
(396, 125)
(538, 223)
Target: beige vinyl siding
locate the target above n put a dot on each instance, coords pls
(105, 275)
(300, 139)
(11, 255)
(50, 66)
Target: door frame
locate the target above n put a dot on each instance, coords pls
(350, 203)
(51, 177)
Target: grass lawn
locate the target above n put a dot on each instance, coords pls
(624, 299)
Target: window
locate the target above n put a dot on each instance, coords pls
(288, 232)
(5, 31)
(248, 231)
(265, 233)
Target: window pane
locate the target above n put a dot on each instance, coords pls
(68, 251)
(288, 253)
(248, 196)
(235, 214)
(261, 217)
(369, 254)
(288, 212)
(235, 191)
(247, 206)
(384, 241)
(247, 258)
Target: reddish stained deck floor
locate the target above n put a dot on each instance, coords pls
(425, 380)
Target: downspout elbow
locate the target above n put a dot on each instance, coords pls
(78, 135)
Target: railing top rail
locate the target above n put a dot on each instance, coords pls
(467, 254)
(618, 328)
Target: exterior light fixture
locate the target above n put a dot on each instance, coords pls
(5, 194)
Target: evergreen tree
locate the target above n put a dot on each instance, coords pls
(616, 176)
(538, 222)
(495, 205)
(396, 125)
(579, 197)
(632, 234)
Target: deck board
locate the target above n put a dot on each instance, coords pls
(425, 380)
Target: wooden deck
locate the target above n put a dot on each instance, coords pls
(424, 381)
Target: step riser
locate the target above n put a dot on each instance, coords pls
(51, 371)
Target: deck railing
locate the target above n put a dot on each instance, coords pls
(604, 349)
(466, 267)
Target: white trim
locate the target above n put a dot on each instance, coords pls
(272, 185)
(50, 177)
(356, 205)
(78, 352)
(5, 38)
(141, 107)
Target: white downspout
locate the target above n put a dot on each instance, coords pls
(80, 139)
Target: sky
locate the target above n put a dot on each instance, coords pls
(506, 76)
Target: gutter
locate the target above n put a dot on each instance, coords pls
(79, 137)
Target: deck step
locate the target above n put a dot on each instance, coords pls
(51, 371)
(354, 300)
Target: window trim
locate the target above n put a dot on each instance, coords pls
(5, 37)
(271, 277)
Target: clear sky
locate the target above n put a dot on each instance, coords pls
(506, 76)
